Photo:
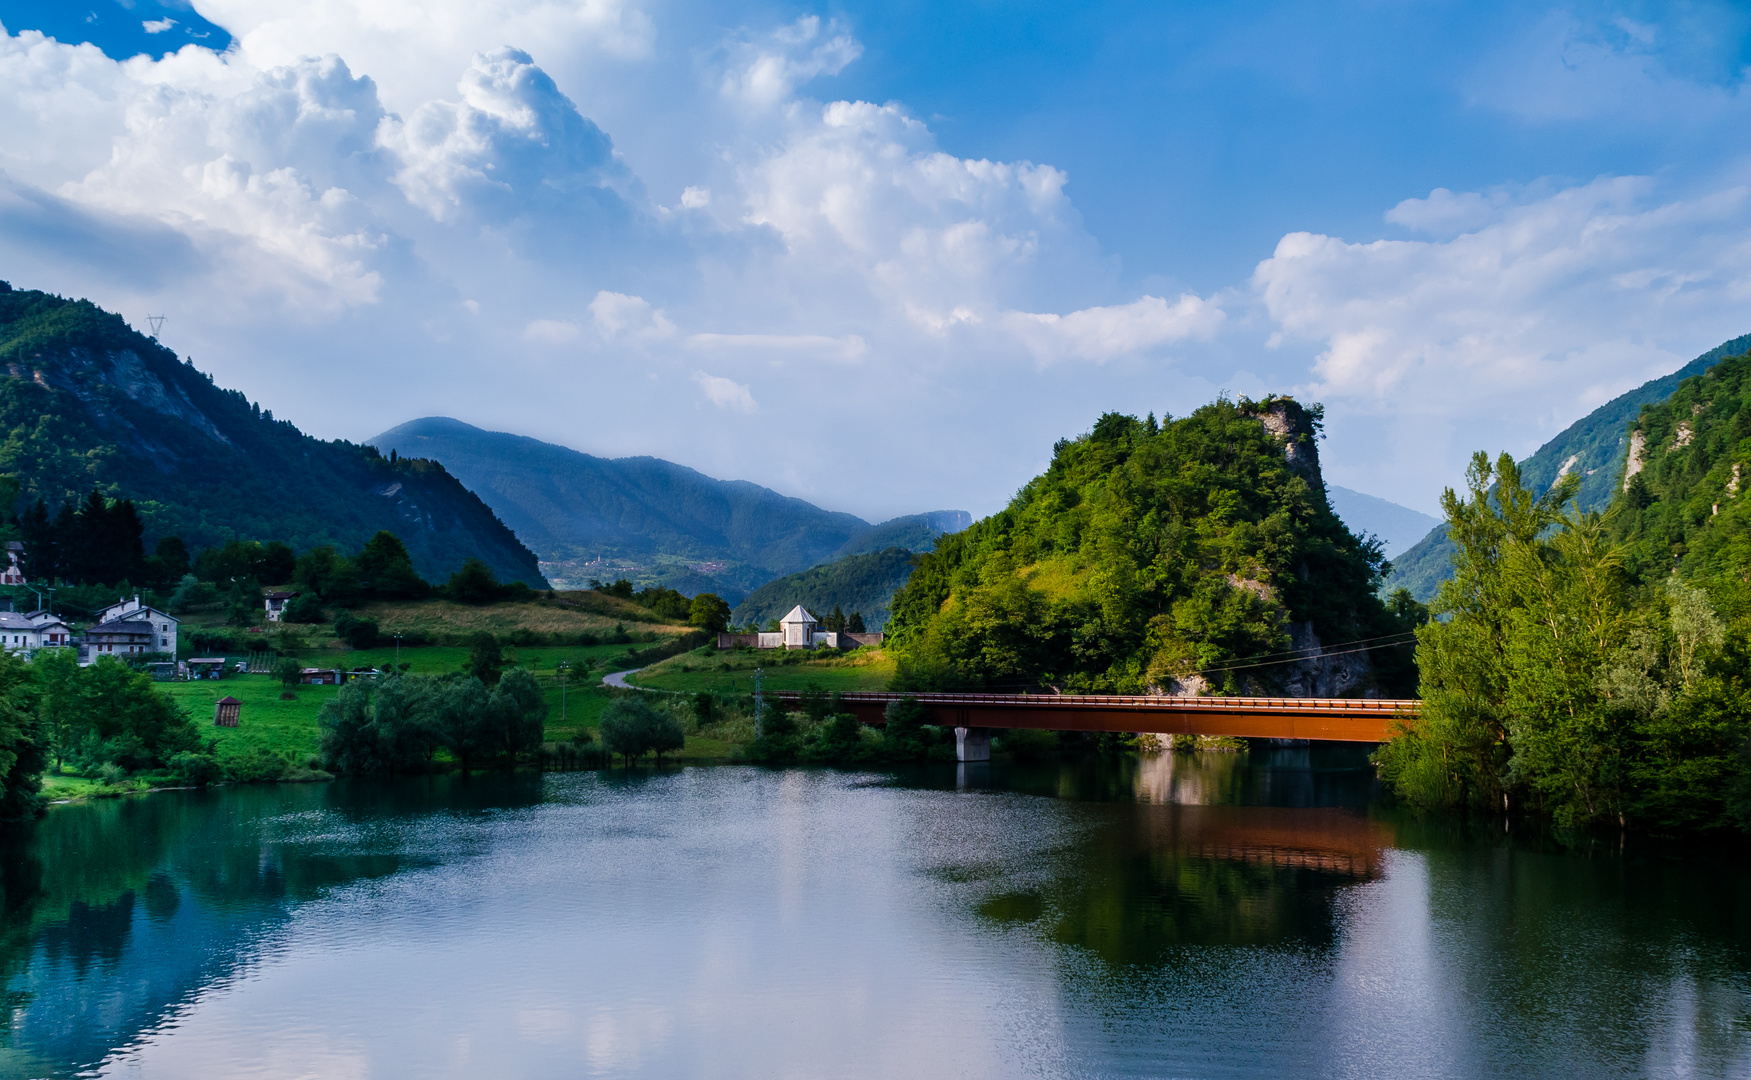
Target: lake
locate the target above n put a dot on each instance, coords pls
(1169, 916)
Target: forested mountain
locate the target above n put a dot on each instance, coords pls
(86, 402)
(1193, 555)
(681, 528)
(863, 583)
(1593, 667)
(1593, 448)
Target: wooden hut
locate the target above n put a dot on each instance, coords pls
(225, 712)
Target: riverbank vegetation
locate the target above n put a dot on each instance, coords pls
(1593, 667)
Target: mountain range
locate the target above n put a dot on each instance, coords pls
(1595, 446)
(649, 520)
(86, 401)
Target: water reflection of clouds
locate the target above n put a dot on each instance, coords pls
(746, 923)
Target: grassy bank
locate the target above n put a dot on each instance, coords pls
(732, 672)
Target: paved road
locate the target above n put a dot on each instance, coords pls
(618, 679)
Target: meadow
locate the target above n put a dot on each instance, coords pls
(732, 672)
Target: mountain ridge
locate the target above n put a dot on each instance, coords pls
(646, 518)
(87, 401)
(1596, 446)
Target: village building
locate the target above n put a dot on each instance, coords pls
(12, 572)
(798, 630)
(225, 711)
(120, 638)
(162, 624)
(25, 634)
(206, 667)
(276, 604)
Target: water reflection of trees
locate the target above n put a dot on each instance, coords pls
(112, 912)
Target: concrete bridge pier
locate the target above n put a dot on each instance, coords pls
(972, 744)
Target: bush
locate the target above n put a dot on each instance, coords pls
(258, 766)
(195, 768)
(360, 633)
(304, 608)
(903, 735)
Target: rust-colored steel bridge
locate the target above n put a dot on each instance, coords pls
(973, 715)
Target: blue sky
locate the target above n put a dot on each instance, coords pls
(943, 235)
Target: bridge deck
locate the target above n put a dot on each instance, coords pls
(1332, 719)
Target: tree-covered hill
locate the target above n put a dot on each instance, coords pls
(863, 583)
(86, 402)
(1592, 448)
(1684, 507)
(1593, 666)
(667, 518)
(1192, 555)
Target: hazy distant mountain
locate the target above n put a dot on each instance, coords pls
(648, 519)
(1398, 527)
(1594, 446)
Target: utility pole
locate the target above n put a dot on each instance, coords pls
(398, 654)
(157, 322)
(758, 704)
(564, 668)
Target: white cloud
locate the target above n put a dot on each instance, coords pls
(725, 393)
(1499, 336)
(1103, 333)
(552, 331)
(513, 146)
(618, 315)
(158, 26)
(768, 70)
(696, 198)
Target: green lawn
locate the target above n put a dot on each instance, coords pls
(707, 670)
(262, 721)
(291, 726)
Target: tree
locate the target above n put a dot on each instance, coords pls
(485, 660)
(710, 612)
(631, 729)
(473, 583)
(168, 563)
(24, 751)
(903, 729)
(518, 712)
(386, 570)
(304, 608)
(854, 623)
(288, 670)
(379, 729)
(1517, 702)
(463, 719)
(325, 573)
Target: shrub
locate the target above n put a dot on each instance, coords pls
(258, 766)
(360, 633)
(304, 608)
(195, 768)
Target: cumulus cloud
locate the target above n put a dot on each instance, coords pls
(768, 69)
(1511, 329)
(618, 315)
(725, 393)
(1102, 333)
(514, 145)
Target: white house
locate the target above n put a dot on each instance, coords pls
(163, 624)
(276, 604)
(25, 634)
(11, 573)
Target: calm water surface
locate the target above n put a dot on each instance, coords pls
(1176, 916)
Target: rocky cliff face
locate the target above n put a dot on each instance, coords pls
(88, 402)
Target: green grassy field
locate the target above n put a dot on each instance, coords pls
(707, 670)
(265, 721)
